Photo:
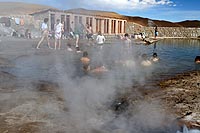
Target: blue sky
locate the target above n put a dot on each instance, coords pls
(170, 10)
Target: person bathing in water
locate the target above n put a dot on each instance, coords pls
(145, 61)
(155, 57)
(197, 60)
(85, 60)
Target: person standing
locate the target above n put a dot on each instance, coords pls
(89, 32)
(156, 32)
(45, 33)
(100, 40)
(58, 33)
(78, 30)
(127, 41)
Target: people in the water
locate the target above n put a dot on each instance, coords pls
(155, 57)
(197, 60)
(85, 60)
(145, 61)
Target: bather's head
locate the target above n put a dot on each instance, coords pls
(197, 59)
(85, 54)
(155, 55)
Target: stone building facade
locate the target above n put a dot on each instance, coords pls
(106, 24)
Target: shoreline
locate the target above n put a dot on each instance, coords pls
(180, 95)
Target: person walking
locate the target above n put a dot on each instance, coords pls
(156, 32)
(78, 31)
(58, 33)
(45, 33)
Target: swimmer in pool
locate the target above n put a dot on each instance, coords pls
(85, 60)
(155, 58)
(145, 61)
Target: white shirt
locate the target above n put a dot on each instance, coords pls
(100, 39)
(58, 28)
(44, 26)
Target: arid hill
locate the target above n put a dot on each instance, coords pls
(162, 23)
(190, 23)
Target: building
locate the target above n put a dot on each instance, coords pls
(109, 23)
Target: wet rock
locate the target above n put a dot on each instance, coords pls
(181, 95)
(8, 81)
(45, 86)
(5, 63)
(120, 105)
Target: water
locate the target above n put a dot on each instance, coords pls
(176, 56)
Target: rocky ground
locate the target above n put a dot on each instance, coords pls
(181, 95)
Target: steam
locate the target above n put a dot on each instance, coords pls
(86, 100)
(89, 98)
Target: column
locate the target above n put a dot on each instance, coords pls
(102, 25)
(109, 26)
(116, 26)
(94, 25)
(122, 28)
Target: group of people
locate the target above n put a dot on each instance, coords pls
(78, 30)
(148, 62)
(59, 29)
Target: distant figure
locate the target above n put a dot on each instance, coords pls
(155, 58)
(100, 40)
(63, 30)
(119, 37)
(85, 60)
(58, 33)
(156, 32)
(197, 59)
(145, 61)
(89, 32)
(45, 33)
(127, 41)
(28, 34)
(78, 30)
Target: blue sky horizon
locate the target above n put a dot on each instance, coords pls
(168, 10)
